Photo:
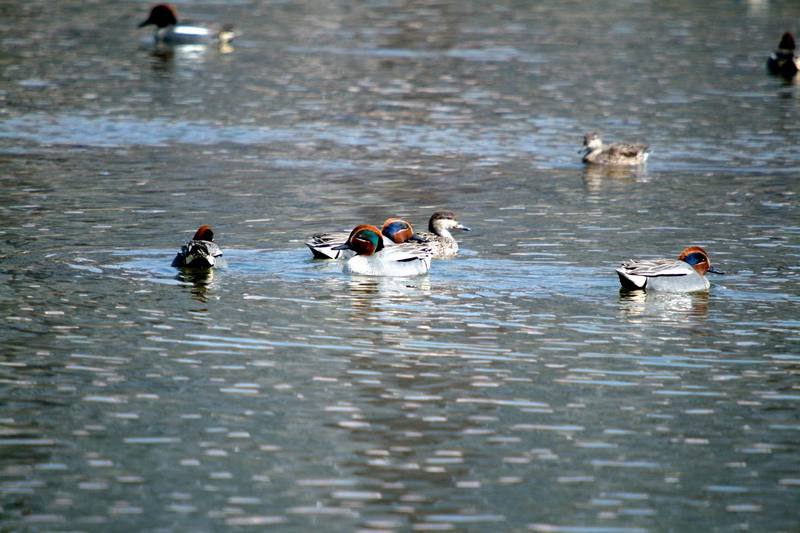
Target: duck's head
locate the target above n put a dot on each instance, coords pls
(363, 240)
(399, 231)
(591, 142)
(442, 222)
(787, 42)
(698, 259)
(203, 233)
(161, 16)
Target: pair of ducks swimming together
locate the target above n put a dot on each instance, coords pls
(396, 250)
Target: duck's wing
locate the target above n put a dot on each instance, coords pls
(627, 149)
(212, 248)
(197, 254)
(426, 235)
(407, 252)
(655, 267)
(322, 244)
(633, 274)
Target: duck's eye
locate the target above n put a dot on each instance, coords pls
(367, 237)
(695, 259)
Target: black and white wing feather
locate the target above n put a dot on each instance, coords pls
(197, 254)
(322, 244)
(633, 274)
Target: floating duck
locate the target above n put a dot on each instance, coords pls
(595, 152)
(782, 62)
(169, 31)
(685, 274)
(373, 258)
(328, 245)
(200, 252)
(438, 236)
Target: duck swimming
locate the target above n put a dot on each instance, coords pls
(782, 62)
(373, 258)
(438, 236)
(595, 152)
(169, 31)
(200, 252)
(685, 274)
(328, 245)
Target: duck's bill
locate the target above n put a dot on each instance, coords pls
(344, 246)
(463, 227)
(715, 271)
(417, 238)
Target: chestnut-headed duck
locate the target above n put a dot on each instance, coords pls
(200, 252)
(171, 32)
(374, 258)
(328, 245)
(685, 274)
(782, 62)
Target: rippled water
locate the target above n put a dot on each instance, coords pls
(514, 387)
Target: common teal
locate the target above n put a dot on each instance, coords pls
(595, 152)
(685, 274)
(782, 62)
(199, 253)
(169, 31)
(373, 258)
(328, 245)
(438, 236)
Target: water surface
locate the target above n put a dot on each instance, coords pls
(512, 388)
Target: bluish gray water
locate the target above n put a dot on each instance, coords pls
(514, 387)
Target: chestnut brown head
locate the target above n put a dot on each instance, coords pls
(697, 257)
(203, 233)
(363, 240)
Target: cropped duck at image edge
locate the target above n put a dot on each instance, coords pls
(783, 62)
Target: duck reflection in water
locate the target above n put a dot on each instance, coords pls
(199, 282)
(373, 297)
(164, 58)
(595, 177)
(669, 307)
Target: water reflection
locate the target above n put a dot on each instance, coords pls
(635, 305)
(200, 282)
(403, 408)
(162, 59)
(280, 391)
(595, 177)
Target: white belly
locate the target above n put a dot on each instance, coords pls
(374, 266)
